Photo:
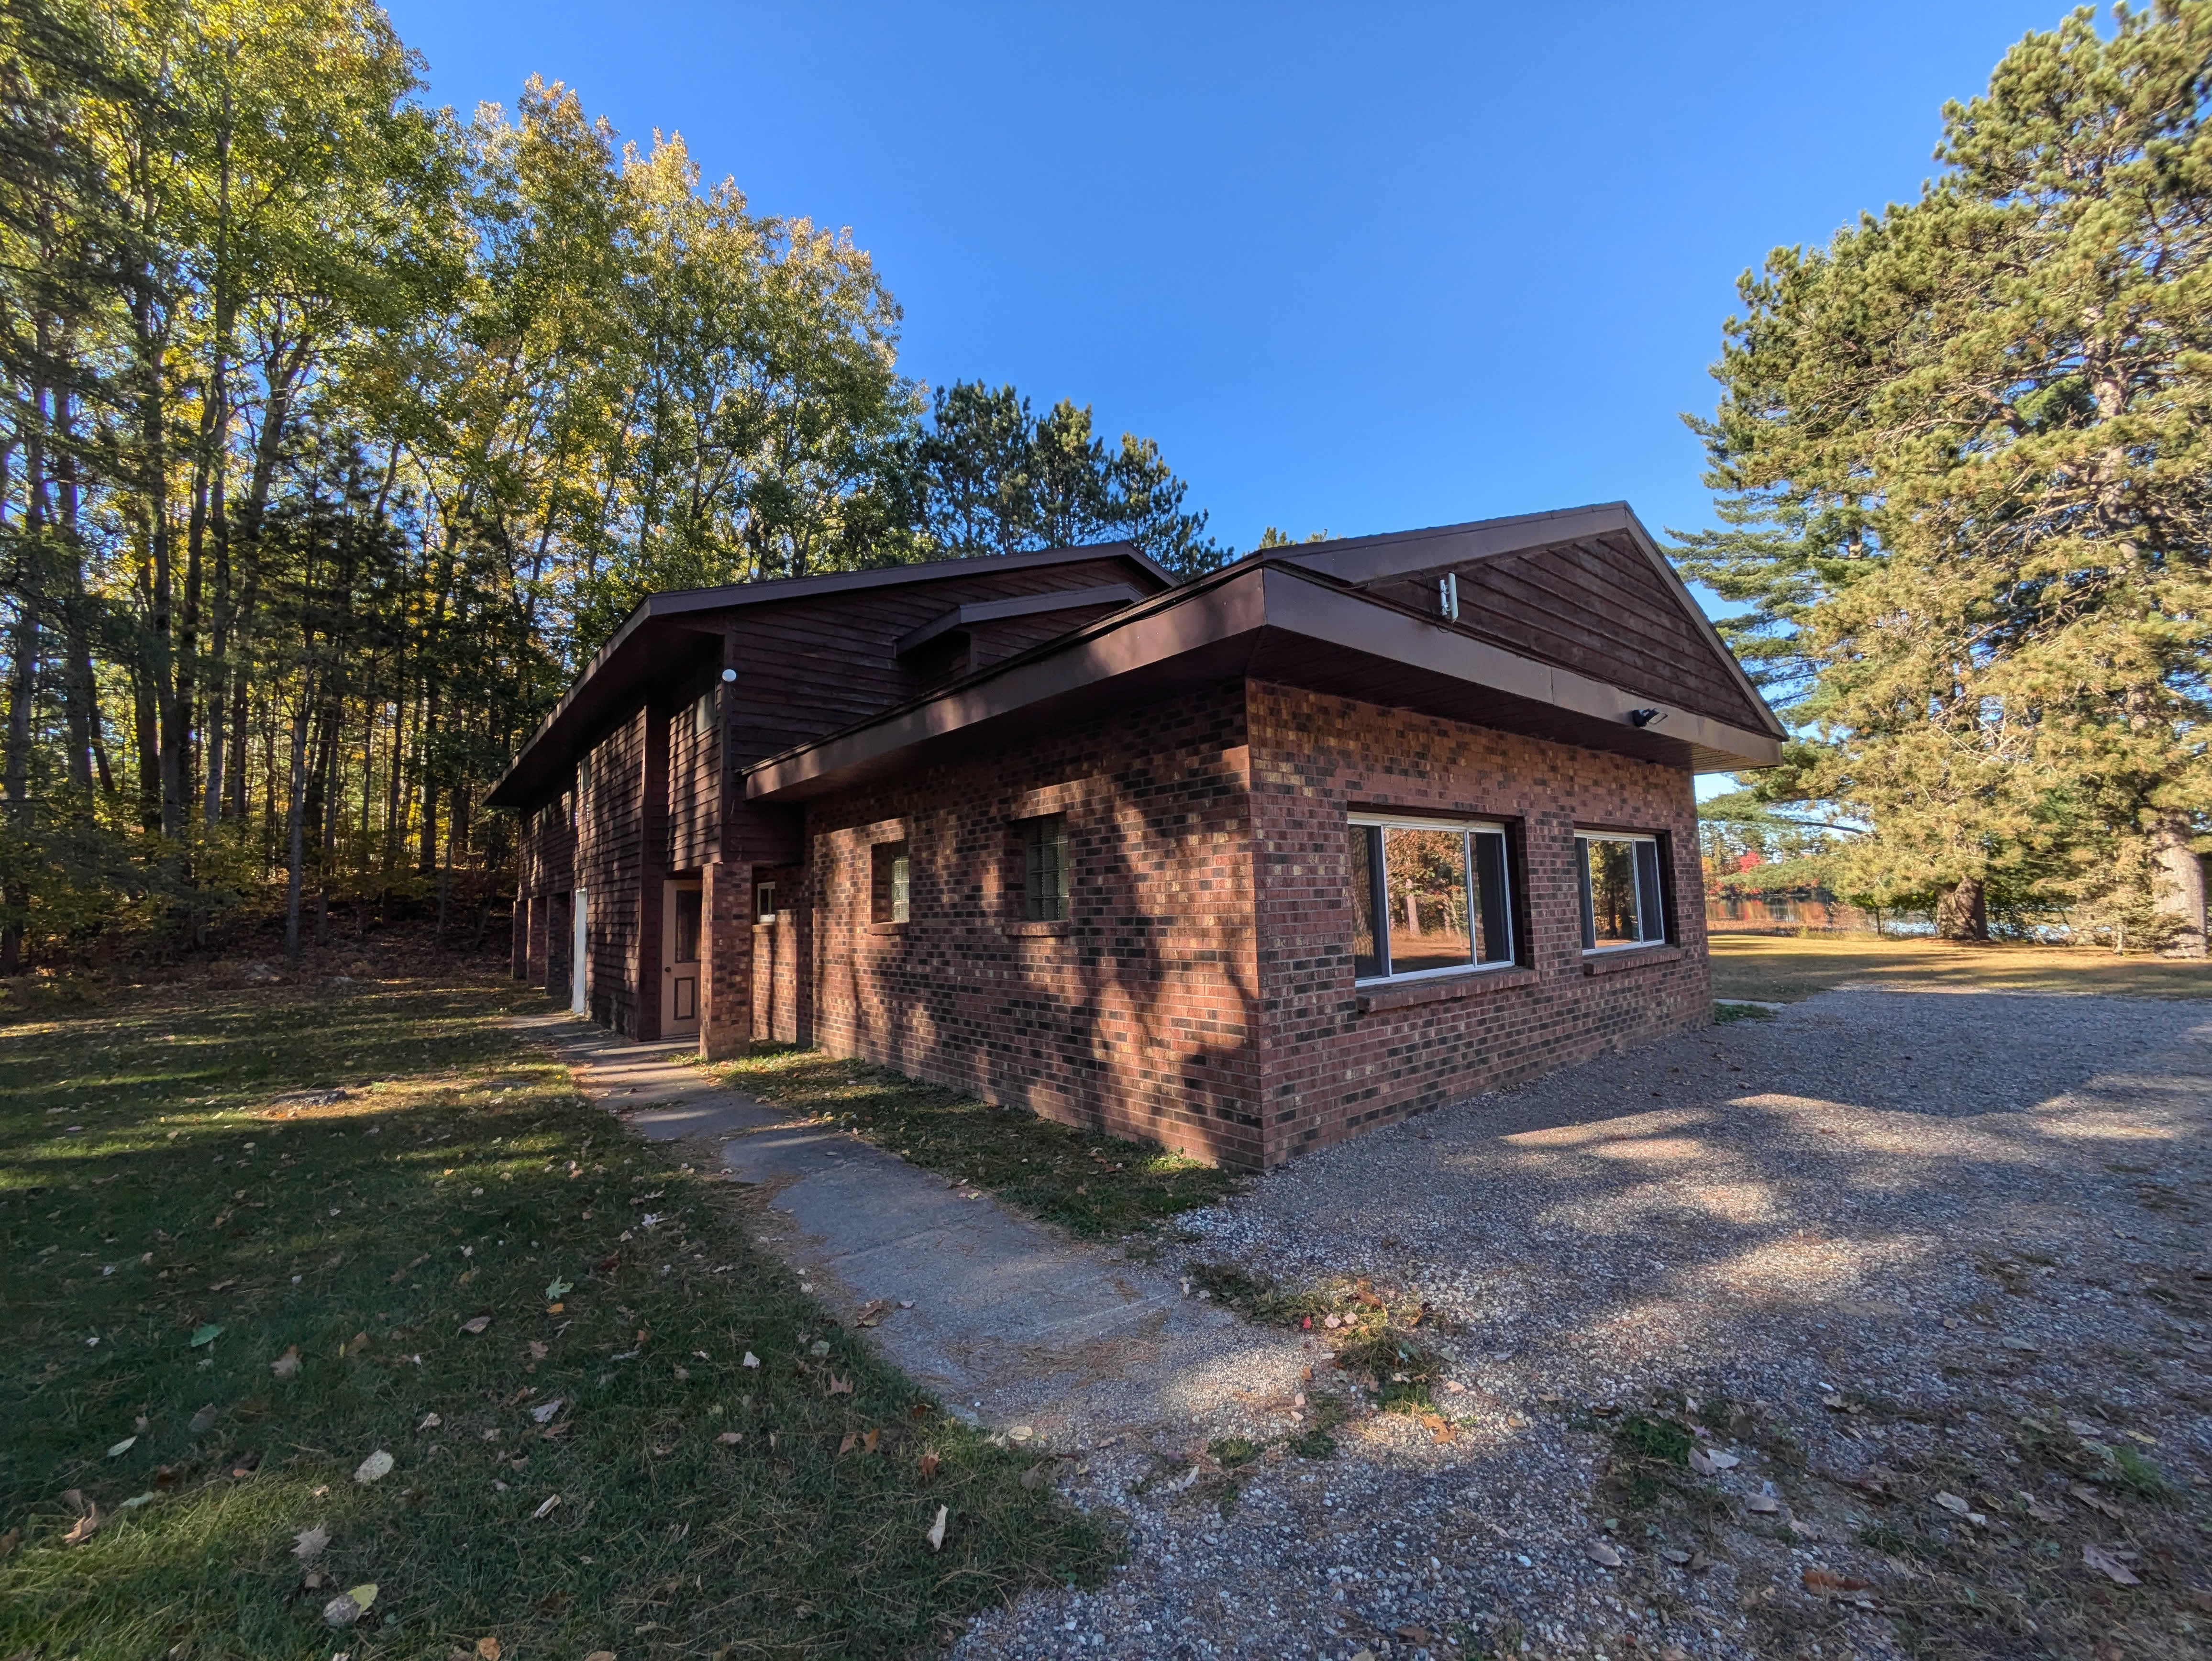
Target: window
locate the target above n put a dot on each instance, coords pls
(687, 925)
(1621, 899)
(764, 902)
(888, 885)
(703, 705)
(1044, 844)
(1428, 897)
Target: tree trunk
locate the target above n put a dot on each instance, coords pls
(1962, 913)
(2179, 887)
(295, 826)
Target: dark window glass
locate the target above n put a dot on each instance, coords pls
(889, 885)
(1044, 868)
(687, 925)
(1362, 857)
(1426, 877)
(1493, 912)
(1651, 912)
(764, 902)
(1581, 867)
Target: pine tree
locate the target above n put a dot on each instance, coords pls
(1968, 479)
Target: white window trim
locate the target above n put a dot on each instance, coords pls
(1402, 822)
(1581, 876)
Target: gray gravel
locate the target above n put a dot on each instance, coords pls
(1938, 1201)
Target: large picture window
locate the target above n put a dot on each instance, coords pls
(1429, 896)
(1622, 904)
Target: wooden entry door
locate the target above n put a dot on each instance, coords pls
(680, 938)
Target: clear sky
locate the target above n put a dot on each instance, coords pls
(1356, 267)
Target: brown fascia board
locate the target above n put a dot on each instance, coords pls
(1362, 560)
(1021, 606)
(678, 609)
(1224, 623)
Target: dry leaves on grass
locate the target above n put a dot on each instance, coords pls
(2110, 1566)
(1827, 1583)
(374, 1469)
(840, 1386)
(546, 1509)
(308, 1544)
(927, 1465)
(287, 1363)
(936, 1535)
(1705, 1463)
(348, 1606)
(487, 1647)
(88, 1514)
(1603, 1554)
(476, 1325)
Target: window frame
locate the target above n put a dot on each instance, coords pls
(1585, 900)
(1028, 836)
(1379, 865)
(764, 901)
(890, 882)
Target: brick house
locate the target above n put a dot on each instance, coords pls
(1241, 865)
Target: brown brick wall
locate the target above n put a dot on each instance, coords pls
(1135, 1015)
(1330, 1070)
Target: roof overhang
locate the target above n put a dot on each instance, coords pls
(1271, 620)
(665, 629)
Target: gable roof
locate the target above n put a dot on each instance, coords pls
(1324, 615)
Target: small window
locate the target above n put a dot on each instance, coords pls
(889, 885)
(1044, 844)
(1428, 897)
(764, 902)
(568, 808)
(1621, 898)
(687, 925)
(703, 705)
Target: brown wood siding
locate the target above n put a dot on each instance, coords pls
(694, 785)
(609, 867)
(1002, 637)
(1596, 607)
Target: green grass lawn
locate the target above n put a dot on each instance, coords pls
(185, 1204)
(1784, 968)
(1095, 1186)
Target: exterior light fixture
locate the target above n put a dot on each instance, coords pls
(1645, 717)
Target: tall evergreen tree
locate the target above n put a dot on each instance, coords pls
(1967, 478)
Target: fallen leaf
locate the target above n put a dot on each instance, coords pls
(487, 1647)
(1953, 1503)
(430, 1422)
(537, 1351)
(1705, 1462)
(730, 1439)
(203, 1336)
(869, 1440)
(840, 1386)
(1599, 1551)
(936, 1535)
(122, 1447)
(350, 1606)
(374, 1469)
(2111, 1567)
(1414, 1634)
(543, 1412)
(561, 1429)
(559, 1289)
(545, 1509)
(1674, 1554)
(2044, 1513)
(1827, 1584)
(246, 1464)
(287, 1363)
(88, 1517)
(872, 1311)
(600, 1655)
(478, 1324)
(358, 1342)
(2095, 1501)
(202, 1421)
(308, 1544)
(9, 1541)
(928, 1464)
(750, 1361)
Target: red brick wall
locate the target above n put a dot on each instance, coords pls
(1135, 1015)
(1332, 1070)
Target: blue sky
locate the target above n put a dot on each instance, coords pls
(1355, 267)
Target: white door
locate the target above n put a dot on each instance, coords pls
(577, 980)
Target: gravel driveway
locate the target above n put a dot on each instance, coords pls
(1881, 1247)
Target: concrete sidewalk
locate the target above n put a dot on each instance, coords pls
(1010, 1323)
